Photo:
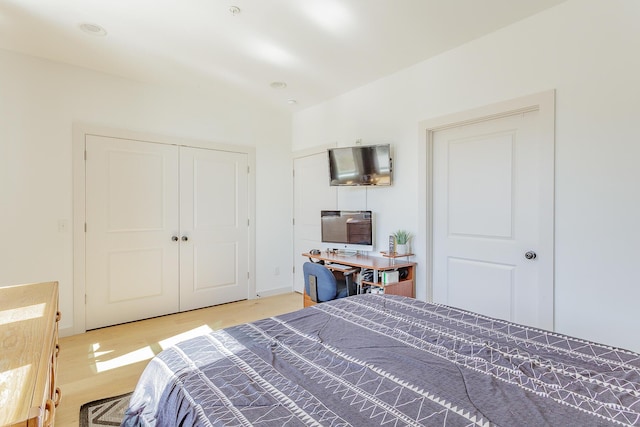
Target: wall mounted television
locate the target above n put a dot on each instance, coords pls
(347, 230)
(360, 165)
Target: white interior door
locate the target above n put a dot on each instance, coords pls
(214, 229)
(493, 204)
(132, 213)
(312, 194)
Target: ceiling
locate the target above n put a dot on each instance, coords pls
(319, 48)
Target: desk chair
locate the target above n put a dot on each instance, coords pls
(321, 284)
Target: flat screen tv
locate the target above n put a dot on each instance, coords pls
(360, 165)
(347, 230)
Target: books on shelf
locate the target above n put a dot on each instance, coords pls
(390, 276)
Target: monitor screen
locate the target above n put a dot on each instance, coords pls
(347, 229)
(360, 165)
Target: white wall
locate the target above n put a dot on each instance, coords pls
(39, 102)
(588, 51)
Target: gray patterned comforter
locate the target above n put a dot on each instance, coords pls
(385, 360)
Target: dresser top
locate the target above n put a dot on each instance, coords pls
(27, 324)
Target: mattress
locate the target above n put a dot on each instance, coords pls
(387, 360)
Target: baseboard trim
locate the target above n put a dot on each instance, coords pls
(273, 292)
(67, 332)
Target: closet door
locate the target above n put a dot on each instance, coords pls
(214, 229)
(132, 216)
(167, 229)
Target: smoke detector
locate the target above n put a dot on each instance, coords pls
(278, 85)
(93, 29)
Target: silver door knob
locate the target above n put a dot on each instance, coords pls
(185, 238)
(174, 238)
(530, 255)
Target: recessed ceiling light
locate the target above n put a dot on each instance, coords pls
(234, 10)
(292, 102)
(278, 85)
(93, 29)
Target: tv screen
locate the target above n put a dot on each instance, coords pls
(347, 229)
(360, 165)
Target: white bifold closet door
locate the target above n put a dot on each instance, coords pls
(214, 229)
(167, 229)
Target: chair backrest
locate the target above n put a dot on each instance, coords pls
(326, 282)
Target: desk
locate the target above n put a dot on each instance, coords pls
(405, 287)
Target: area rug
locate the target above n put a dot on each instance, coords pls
(104, 412)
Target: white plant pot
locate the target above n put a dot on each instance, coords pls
(402, 249)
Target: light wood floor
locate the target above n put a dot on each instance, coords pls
(107, 362)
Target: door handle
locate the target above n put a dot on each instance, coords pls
(174, 238)
(530, 255)
(185, 238)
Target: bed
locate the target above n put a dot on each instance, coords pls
(387, 360)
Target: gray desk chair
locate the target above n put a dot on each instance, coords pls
(321, 284)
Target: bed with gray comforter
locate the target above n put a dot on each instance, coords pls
(386, 360)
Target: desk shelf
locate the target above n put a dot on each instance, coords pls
(403, 287)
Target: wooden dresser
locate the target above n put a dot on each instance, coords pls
(29, 319)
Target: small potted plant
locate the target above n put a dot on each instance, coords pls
(403, 238)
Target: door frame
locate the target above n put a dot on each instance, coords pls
(79, 132)
(294, 156)
(544, 103)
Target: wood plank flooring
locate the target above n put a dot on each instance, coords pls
(108, 362)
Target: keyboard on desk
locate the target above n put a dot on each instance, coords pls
(340, 266)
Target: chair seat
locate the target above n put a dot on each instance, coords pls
(342, 291)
